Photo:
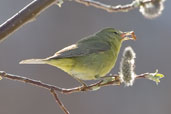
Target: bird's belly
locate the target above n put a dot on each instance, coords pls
(89, 67)
(92, 66)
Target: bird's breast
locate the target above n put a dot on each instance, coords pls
(94, 65)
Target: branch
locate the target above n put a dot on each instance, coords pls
(24, 16)
(107, 81)
(51, 88)
(59, 101)
(33, 9)
(114, 80)
(110, 8)
(58, 89)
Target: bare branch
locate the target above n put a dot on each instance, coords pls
(33, 9)
(59, 101)
(116, 81)
(110, 8)
(24, 16)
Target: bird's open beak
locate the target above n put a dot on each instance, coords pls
(125, 35)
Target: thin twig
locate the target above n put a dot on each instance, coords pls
(110, 8)
(59, 101)
(53, 88)
(117, 81)
(33, 9)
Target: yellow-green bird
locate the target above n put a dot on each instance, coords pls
(91, 57)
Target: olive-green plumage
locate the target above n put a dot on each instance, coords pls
(88, 59)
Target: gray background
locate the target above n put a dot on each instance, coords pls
(59, 27)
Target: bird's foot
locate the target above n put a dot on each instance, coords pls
(83, 84)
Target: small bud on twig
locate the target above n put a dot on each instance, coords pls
(154, 76)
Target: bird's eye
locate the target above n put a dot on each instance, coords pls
(116, 33)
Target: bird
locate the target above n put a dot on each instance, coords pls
(90, 58)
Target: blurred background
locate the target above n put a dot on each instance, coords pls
(58, 27)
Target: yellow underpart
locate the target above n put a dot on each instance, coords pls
(65, 64)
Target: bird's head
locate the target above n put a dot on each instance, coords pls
(113, 34)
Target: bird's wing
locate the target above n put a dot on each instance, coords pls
(81, 49)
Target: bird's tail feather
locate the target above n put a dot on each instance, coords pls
(33, 61)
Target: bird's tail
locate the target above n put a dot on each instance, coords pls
(33, 61)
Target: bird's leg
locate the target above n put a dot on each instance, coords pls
(80, 81)
(106, 79)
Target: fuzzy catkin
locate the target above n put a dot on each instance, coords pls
(153, 9)
(127, 65)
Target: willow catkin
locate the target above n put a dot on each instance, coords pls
(127, 65)
(153, 9)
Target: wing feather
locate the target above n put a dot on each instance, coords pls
(82, 48)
